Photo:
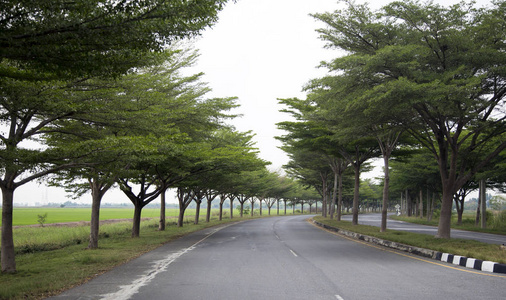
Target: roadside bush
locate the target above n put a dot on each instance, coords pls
(498, 219)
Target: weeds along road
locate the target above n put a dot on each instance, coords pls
(284, 258)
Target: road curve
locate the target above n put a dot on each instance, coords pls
(284, 258)
(375, 220)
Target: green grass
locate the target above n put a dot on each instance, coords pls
(42, 273)
(467, 248)
(28, 215)
(468, 223)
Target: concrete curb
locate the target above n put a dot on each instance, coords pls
(487, 266)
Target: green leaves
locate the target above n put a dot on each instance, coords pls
(95, 38)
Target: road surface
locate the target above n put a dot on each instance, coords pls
(285, 258)
(375, 220)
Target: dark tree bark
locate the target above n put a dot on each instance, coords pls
(185, 197)
(136, 226)
(98, 191)
(161, 223)
(197, 210)
(8, 254)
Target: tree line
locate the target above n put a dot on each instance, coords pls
(92, 95)
(418, 84)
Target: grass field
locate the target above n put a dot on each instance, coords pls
(28, 215)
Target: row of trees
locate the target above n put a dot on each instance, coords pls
(419, 82)
(93, 96)
(90, 85)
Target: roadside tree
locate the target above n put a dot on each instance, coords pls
(443, 66)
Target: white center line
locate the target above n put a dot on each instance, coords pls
(339, 297)
(294, 254)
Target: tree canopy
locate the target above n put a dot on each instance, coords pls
(437, 71)
(84, 38)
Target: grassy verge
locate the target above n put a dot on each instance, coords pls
(29, 215)
(493, 226)
(467, 248)
(43, 273)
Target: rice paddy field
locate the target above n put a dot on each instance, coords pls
(29, 215)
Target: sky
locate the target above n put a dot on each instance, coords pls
(258, 51)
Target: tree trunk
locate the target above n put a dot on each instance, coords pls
(222, 200)
(97, 193)
(242, 208)
(221, 211)
(8, 254)
(356, 195)
(136, 226)
(421, 204)
(161, 223)
(95, 220)
(386, 184)
(285, 206)
(324, 193)
(231, 207)
(483, 196)
(197, 212)
(208, 214)
(459, 204)
(252, 207)
(444, 228)
(334, 195)
(180, 217)
(277, 202)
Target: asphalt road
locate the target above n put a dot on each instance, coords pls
(285, 258)
(375, 220)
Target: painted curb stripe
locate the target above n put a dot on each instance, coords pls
(472, 263)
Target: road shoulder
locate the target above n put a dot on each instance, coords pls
(476, 264)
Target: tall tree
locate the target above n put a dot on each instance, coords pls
(42, 40)
(442, 65)
(27, 109)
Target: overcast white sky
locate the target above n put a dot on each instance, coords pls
(259, 51)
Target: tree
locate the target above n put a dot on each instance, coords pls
(41, 42)
(310, 135)
(443, 66)
(27, 109)
(226, 155)
(83, 38)
(107, 124)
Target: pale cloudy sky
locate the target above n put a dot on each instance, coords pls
(259, 51)
(262, 50)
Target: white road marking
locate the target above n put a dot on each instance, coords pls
(294, 254)
(127, 291)
(339, 297)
